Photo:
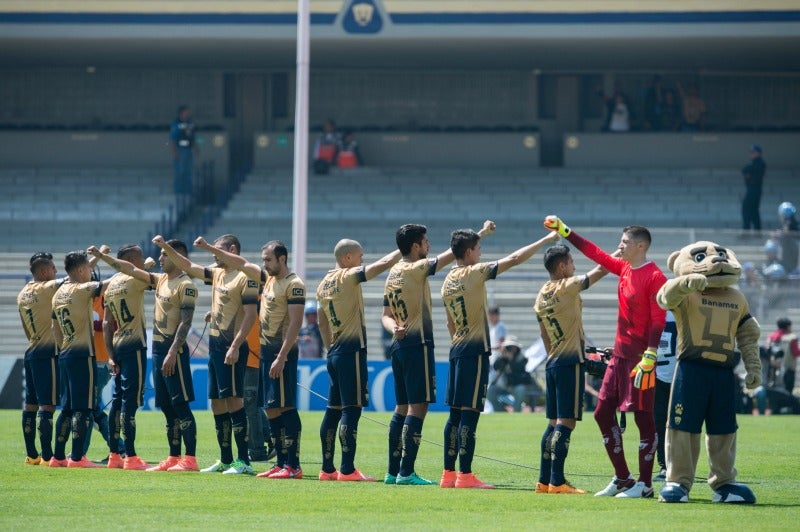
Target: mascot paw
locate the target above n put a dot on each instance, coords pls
(752, 380)
(734, 494)
(696, 282)
(673, 492)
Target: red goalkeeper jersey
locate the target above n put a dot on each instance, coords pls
(640, 321)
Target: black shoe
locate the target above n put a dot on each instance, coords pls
(260, 455)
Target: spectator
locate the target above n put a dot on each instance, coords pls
(511, 377)
(619, 112)
(753, 175)
(670, 111)
(497, 331)
(694, 108)
(309, 338)
(788, 237)
(182, 142)
(349, 156)
(785, 352)
(326, 148)
(653, 104)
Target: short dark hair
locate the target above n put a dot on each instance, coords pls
(278, 248)
(229, 240)
(639, 233)
(127, 250)
(554, 256)
(461, 240)
(179, 246)
(408, 235)
(182, 108)
(784, 323)
(74, 260)
(494, 309)
(39, 259)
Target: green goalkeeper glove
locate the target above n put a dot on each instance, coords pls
(643, 375)
(554, 223)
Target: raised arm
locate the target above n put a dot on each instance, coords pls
(191, 269)
(231, 260)
(382, 264)
(595, 274)
(93, 260)
(587, 247)
(524, 253)
(120, 265)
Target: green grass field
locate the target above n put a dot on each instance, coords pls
(37, 498)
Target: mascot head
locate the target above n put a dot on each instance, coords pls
(716, 262)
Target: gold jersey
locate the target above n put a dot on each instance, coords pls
(72, 309)
(278, 294)
(35, 304)
(464, 297)
(408, 296)
(124, 299)
(707, 323)
(231, 291)
(172, 296)
(339, 295)
(558, 308)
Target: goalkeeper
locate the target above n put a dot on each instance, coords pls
(558, 311)
(630, 379)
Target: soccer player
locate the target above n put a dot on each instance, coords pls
(464, 297)
(72, 327)
(172, 377)
(341, 323)
(41, 377)
(407, 315)
(558, 310)
(630, 379)
(126, 344)
(281, 317)
(233, 312)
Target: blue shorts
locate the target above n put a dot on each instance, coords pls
(565, 392)
(224, 380)
(467, 381)
(348, 375)
(77, 382)
(414, 370)
(178, 387)
(41, 381)
(703, 393)
(129, 383)
(280, 392)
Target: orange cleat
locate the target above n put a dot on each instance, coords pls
(329, 476)
(269, 472)
(134, 463)
(33, 461)
(115, 461)
(542, 488)
(288, 472)
(355, 476)
(469, 480)
(448, 479)
(187, 463)
(83, 462)
(164, 465)
(566, 488)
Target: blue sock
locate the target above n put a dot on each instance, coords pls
(63, 429)
(412, 434)
(29, 432)
(222, 422)
(466, 439)
(395, 443)
(45, 428)
(188, 427)
(561, 436)
(348, 433)
(545, 460)
(451, 439)
(327, 435)
(278, 430)
(294, 427)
